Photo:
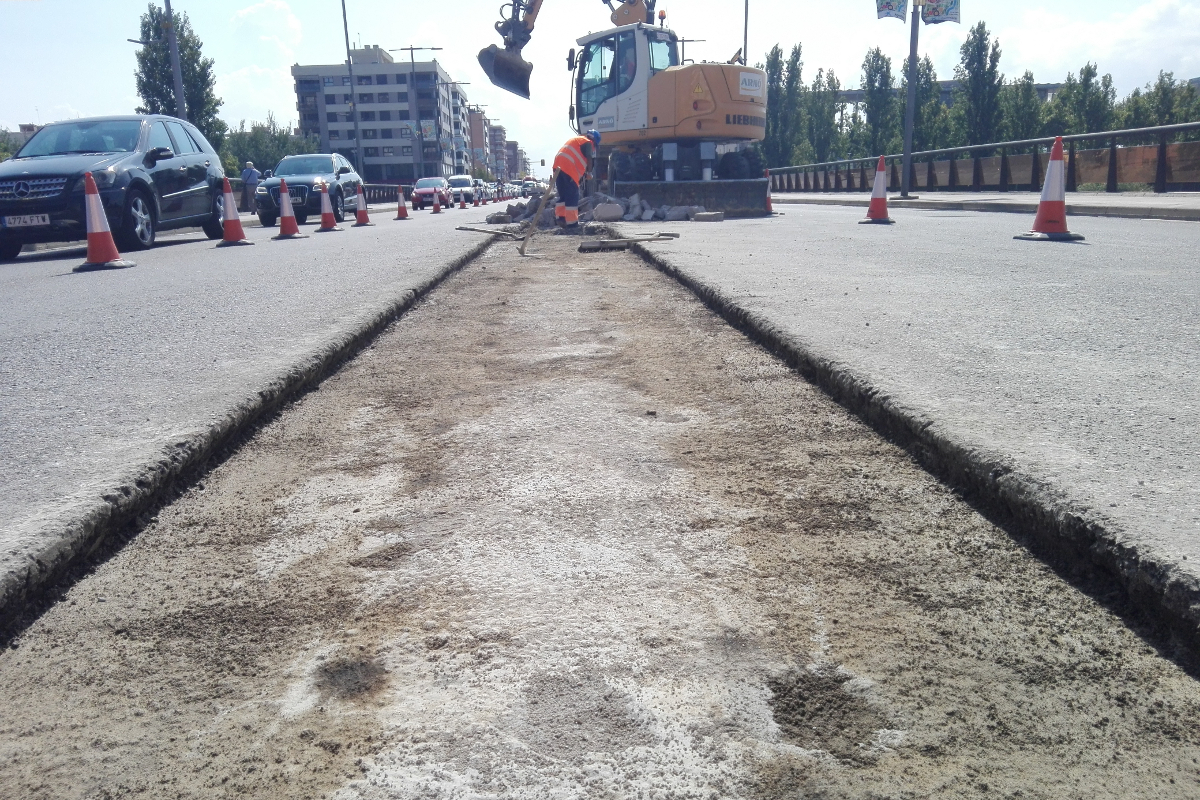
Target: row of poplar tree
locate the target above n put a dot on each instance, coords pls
(812, 123)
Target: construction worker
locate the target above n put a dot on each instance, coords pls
(574, 161)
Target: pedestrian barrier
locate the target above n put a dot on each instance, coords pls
(231, 223)
(328, 221)
(1050, 224)
(877, 212)
(101, 249)
(360, 210)
(288, 229)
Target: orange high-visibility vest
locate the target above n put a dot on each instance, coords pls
(571, 159)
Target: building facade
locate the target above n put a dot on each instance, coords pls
(481, 141)
(412, 117)
(498, 140)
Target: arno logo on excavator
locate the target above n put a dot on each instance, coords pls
(751, 84)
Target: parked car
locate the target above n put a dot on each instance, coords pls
(153, 173)
(427, 188)
(304, 175)
(462, 188)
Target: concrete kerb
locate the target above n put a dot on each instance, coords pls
(150, 485)
(1011, 207)
(1082, 540)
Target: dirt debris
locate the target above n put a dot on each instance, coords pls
(562, 533)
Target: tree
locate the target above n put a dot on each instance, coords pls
(1166, 102)
(879, 98)
(1022, 109)
(1083, 105)
(785, 111)
(977, 110)
(931, 122)
(156, 82)
(823, 105)
(264, 143)
(8, 144)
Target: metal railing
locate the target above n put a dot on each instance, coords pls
(374, 192)
(857, 174)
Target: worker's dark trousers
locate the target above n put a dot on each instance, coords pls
(567, 206)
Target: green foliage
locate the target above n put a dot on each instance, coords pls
(785, 109)
(882, 122)
(1021, 109)
(156, 82)
(823, 107)
(931, 121)
(264, 143)
(1083, 105)
(1165, 102)
(8, 144)
(977, 113)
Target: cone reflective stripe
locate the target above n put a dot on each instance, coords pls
(1050, 224)
(877, 212)
(230, 221)
(401, 207)
(101, 249)
(360, 209)
(328, 221)
(288, 229)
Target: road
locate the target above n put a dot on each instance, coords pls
(103, 372)
(594, 544)
(1075, 362)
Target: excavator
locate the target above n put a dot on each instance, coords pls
(659, 119)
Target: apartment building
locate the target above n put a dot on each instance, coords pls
(481, 141)
(412, 117)
(498, 139)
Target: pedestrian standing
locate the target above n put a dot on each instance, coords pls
(574, 161)
(250, 178)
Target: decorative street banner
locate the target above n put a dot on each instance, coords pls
(893, 8)
(943, 11)
(428, 129)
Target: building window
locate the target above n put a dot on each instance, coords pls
(370, 133)
(331, 116)
(335, 134)
(367, 116)
(372, 152)
(308, 101)
(366, 98)
(402, 80)
(406, 150)
(401, 97)
(345, 80)
(364, 80)
(307, 85)
(385, 133)
(328, 80)
(346, 98)
(385, 115)
(424, 95)
(402, 115)
(389, 151)
(350, 134)
(383, 97)
(331, 99)
(381, 79)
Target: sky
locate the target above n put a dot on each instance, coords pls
(69, 58)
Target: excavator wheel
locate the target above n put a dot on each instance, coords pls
(506, 69)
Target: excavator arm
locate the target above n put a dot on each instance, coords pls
(506, 69)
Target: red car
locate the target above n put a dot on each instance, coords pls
(425, 191)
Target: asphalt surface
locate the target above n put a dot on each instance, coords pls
(1077, 361)
(102, 371)
(1171, 205)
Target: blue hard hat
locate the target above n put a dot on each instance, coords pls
(594, 136)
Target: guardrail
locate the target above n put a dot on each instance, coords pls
(1167, 166)
(374, 192)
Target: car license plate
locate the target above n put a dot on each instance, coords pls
(26, 220)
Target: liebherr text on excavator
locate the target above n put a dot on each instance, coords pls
(661, 120)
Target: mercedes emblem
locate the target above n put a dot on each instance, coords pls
(22, 189)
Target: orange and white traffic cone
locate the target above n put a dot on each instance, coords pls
(288, 229)
(437, 204)
(360, 210)
(230, 221)
(877, 212)
(485, 199)
(401, 207)
(101, 249)
(1050, 224)
(476, 201)
(328, 221)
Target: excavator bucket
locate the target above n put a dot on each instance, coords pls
(506, 69)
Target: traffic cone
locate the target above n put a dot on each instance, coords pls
(877, 212)
(101, 249)
(288, 229)
(462, 201)
(485, 199)
(230, 221)
(401, 207)
(477, 201)
(767, 175)
(1050, 224)
(328, 222)
(360, 210)
(437, 205)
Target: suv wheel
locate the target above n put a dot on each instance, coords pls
(214, 226)
(266, 220)
(137, 229)
(339, 206)
(9, 250)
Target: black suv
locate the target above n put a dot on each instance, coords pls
(153, 172)
(304, 175)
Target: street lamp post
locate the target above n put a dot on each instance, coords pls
(910, 110)
(746, 37)
(353, 90)
(413, 100)
(173, 47)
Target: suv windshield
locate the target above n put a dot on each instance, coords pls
(459, 183)
(98, 136)
(429, 183)
(305, 165)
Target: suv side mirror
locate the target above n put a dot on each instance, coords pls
(571, 60)
(160, 154)
(268, 174)
(343, 170)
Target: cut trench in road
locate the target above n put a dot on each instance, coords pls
(562, 532)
